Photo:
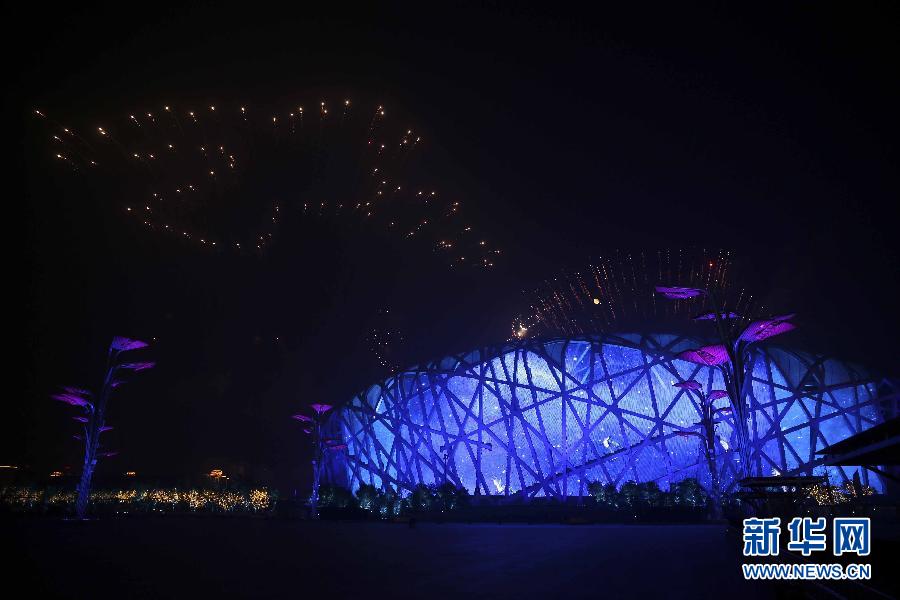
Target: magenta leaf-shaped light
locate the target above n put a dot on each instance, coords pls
(105, 428)
(77, 437)
(115, 383)
(123, 344)
(321, 408)
(302, 418)
(71, 399)
(786, 317)
(711, 315)
(77, 391)
(81, 419)
(307, 431)
(679, 293)
(766, 328)
(715, 354)
(717, 394)
(688, 385)
(139, 366)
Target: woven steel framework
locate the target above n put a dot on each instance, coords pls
(545, 418)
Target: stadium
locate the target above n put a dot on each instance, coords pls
(545, 417)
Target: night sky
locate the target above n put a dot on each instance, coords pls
(567, 136)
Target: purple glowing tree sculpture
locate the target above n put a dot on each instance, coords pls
(732, 355)
(705, 429)
(95, 412)
(312, 426)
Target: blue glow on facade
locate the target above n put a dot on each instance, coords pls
(545, 418)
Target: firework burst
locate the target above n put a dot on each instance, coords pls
(618, 291)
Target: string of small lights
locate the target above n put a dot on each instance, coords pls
(221, 177)
(384, 340)
(149, 500)
(827, 494)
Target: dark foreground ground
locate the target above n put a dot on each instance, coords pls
(267, 558)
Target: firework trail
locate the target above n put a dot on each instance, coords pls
(224, 178)
(385, 340)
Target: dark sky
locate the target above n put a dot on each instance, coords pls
(568, 135)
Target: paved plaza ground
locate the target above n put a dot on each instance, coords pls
(180, 557)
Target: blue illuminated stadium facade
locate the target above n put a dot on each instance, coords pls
(544, 418)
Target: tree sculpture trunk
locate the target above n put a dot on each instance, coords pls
(92, 441)
(709, 427)
(742, 418)
(320, 444)
(84, 488)
(91, 434)
(314, 497)
(733, 372)
(715, 485)
(317, 470)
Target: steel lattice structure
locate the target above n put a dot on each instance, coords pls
(545, 418)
